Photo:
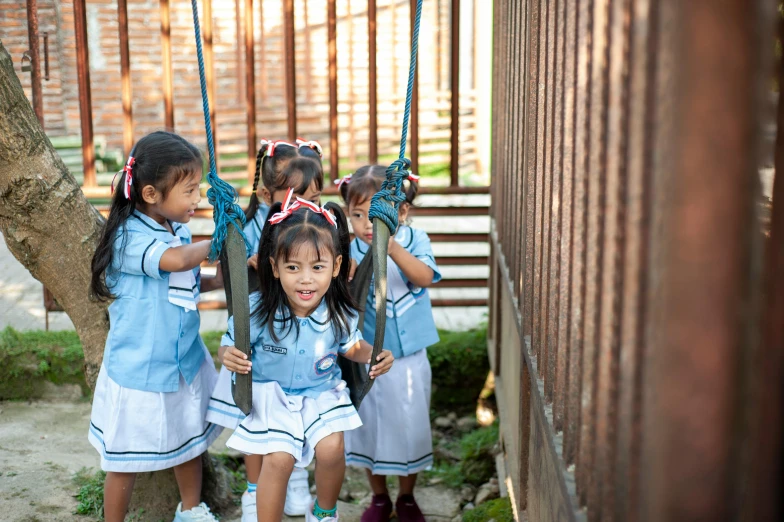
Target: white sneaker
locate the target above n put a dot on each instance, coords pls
(200, 513)
(298, 499)
(310, 517)
(249, 507)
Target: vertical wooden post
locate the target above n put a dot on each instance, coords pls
(168, 82)
(290, 66)
(35, 59)
(413, 132)
(250, 89)
(454, 75)
(125, 76)
(334, 169)
(372, 85)
(85, 98)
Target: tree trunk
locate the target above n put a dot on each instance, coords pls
(46, 221)
(53, 230)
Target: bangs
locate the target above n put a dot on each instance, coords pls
(180, 172)
(299, 174)
(362, 189)
(295, 239)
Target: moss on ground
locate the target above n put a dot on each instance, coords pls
(29, 359)
(499, 510)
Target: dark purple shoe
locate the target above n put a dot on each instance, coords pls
(380, 509)
(407, 509)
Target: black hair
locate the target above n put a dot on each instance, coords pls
(161, 159)
(270, 170)
(367, 180)
(278, 242)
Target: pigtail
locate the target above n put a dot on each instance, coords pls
(340, 302)
(253, 204)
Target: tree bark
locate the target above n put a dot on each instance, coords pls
(46, 221)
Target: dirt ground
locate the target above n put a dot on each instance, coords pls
(44, 443)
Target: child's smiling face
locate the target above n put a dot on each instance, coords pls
(305, 276)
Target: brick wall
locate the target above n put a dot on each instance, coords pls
(61, 101)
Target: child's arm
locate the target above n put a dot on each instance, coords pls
(415, 270)
(234, 360)
(361, 353)
(184, 257)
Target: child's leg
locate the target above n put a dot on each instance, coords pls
(188, 475)
(330, 469)
(117, 491)
(407, 484)
(275, 472)
(253, 468)
(378, 483)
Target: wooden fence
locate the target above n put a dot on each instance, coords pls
(636, 292)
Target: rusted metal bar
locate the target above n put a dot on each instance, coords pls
(332, 50)
(567, 193)
(613, 259)
(702, 260)
(125, 76)
(530, 156)
(579, 239)
(556, 169)
(85, 97)
(413, 132)
(509, 123)
(516, 163)
(539, 155)
(46, 55)
(250, 90)
(35, 60)
(209, 66)
(588, 489)
(637, 233)
(547, 201)
(166, 65)
(454, 75)
(352, 148)
(372, 85)
(290, 65)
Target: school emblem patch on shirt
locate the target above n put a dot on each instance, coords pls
(325, 364)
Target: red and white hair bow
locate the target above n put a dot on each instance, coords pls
(128, 171)
(344, 179)
(289, 207)
(413, 177)
(316, 146)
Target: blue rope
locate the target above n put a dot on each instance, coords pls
(221, 195)
(392, 188)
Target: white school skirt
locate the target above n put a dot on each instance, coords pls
(222, 410)
(136, 431)
(395, 438)
(293, 424)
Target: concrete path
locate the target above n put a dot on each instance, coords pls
(42, 445)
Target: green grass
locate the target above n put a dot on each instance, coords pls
(90, 494)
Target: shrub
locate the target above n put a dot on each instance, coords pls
(460, 366)
(477, 463)
(499, 510)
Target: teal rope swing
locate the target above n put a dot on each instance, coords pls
(384, 214)
(229, 221)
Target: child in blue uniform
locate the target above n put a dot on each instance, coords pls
(280, 166)
(304, 318)
(395, 438)
(154, 385)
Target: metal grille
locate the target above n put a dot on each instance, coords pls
(626, 240)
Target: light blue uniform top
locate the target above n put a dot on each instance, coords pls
(254, 226)
(151, 341)
(414, 330)
(304, 364)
